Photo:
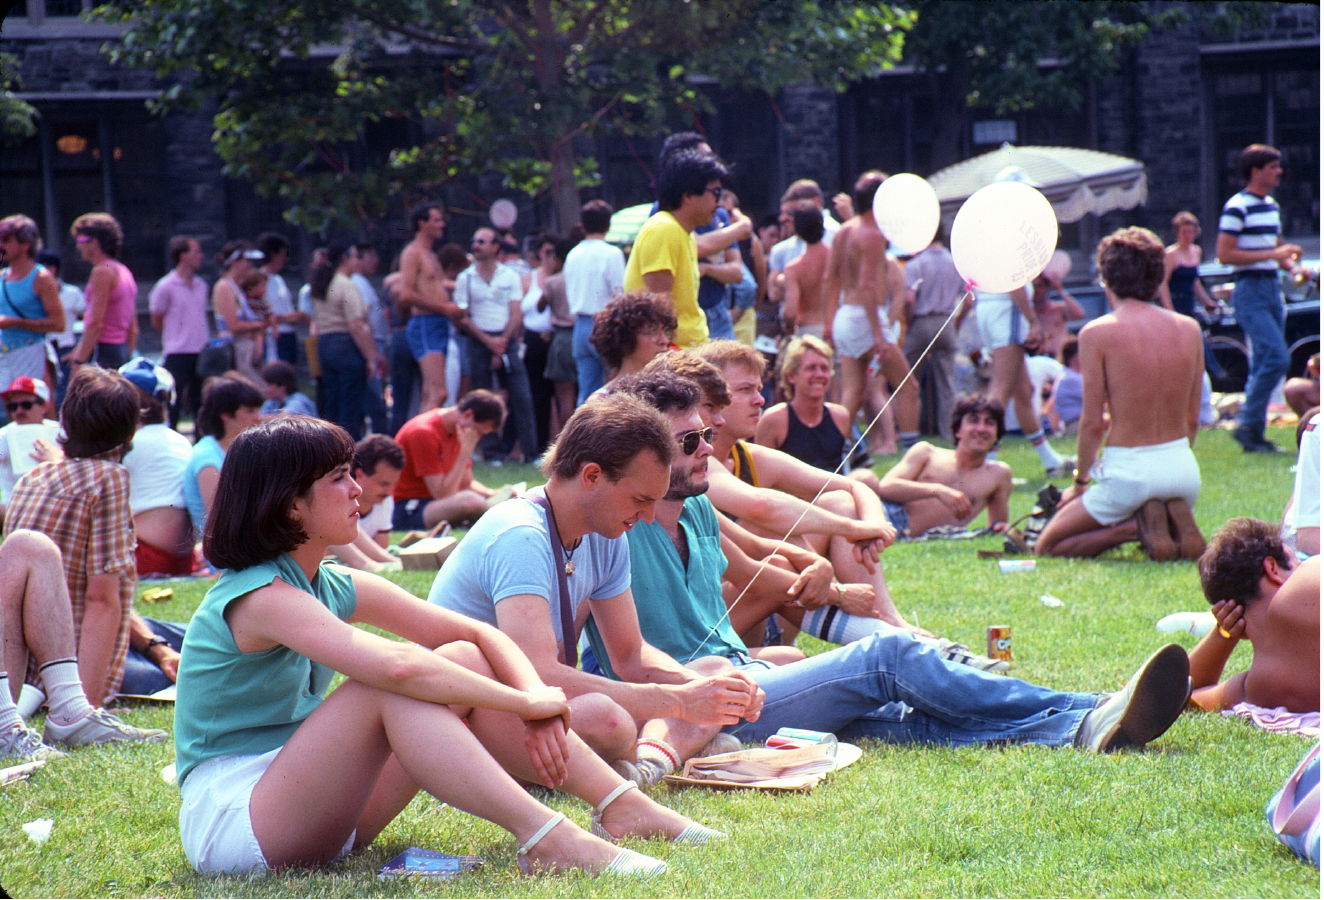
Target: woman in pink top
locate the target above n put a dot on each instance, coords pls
(110, 328)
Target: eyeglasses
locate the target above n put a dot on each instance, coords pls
(717, 192)
(26, 405)
(689, 442)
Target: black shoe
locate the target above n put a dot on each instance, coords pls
(1253, 443)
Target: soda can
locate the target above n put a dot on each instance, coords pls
(999, 642)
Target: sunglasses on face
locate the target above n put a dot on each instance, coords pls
(716, 192)
(689, 442)
(26, 405)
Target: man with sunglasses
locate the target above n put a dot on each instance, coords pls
(665, 258)
(490, 293)
(25, 403)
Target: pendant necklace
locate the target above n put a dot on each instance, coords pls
(569, 551)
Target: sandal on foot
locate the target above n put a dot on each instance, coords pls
(694, 833)
(627, 862)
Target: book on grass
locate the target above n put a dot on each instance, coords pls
(427, 864)
(763, 764)
(165, 695)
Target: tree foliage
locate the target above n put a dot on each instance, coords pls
(1011, 57)
(470, 85)
(17, 117)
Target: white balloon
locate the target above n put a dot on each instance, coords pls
(906, 210)
(1003, 236)
(502, 213)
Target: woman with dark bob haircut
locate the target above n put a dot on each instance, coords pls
(275, 775)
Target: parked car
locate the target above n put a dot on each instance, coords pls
(1227, 344)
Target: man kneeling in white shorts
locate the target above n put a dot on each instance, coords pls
(1147, 477)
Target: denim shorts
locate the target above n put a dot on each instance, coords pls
(214, 822)
(428, 333)
(408, 514)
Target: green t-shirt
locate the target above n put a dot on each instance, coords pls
(678, 606)
(663, 244)
(236, 704)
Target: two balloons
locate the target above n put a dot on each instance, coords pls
(1003, 236)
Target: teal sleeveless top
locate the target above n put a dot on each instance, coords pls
(236, 704)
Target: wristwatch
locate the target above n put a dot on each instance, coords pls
(155, 641)
(1075, 476)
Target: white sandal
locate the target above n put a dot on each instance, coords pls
(694, 833)
(627, 862)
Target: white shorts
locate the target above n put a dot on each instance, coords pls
(1126, 477)
(851, 332)
(1000, 322)
(214, 822)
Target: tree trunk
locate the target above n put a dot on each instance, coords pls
(564, 191)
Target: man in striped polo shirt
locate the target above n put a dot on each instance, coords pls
(1250, 238)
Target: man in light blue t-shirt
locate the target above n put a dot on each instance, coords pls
(608, 468)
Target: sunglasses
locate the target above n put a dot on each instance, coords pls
(689, 442)
(717, 192)
(26, 405)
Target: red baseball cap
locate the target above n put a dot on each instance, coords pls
(26, 384)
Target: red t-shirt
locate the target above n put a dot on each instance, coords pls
(429, 450)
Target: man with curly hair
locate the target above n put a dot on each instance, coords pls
(1260, 594)
(1146, 479)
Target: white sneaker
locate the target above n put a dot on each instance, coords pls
(721, 743)
(99, 727)
(21, 742)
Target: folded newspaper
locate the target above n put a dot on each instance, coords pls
(787, 770)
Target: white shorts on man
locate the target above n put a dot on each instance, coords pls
(1126, 477)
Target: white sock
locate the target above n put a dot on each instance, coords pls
(907, 439)
(9, 716)
(830, 624)
(657, 753)
(1047, 455)
(64, 691)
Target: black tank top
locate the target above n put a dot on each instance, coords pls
(819, 446)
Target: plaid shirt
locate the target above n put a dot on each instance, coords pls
(83, 506)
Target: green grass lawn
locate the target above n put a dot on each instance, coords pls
(1183, 819)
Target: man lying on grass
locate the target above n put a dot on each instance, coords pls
(889, 686)
(1261, 594)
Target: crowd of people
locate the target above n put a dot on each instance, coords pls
(639, 608)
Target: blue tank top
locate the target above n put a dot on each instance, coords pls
(20, 300)
(1181, 285)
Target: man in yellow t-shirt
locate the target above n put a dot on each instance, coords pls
(665, 259)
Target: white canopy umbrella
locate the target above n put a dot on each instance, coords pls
(1076, 181)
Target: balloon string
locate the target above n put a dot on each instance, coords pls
(846, 457)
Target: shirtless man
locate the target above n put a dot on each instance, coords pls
(866, 279)
(1259, 593)
(422, 285)
(1144, 366)
(932, 486)
(775, 494)
(806, 277)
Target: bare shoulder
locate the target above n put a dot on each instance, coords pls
(774, 413)
(1000, 470)
(840, 417)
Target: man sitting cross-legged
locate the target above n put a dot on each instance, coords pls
(1259, 593)
(775, 494)
(609, 466)
(37, 629)
(931, 487)
(437, 482)
(891, 685)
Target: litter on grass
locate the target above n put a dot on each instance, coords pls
(38, 830)
(1050, 600)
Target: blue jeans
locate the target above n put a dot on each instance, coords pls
(512, 376)
(405, 379)
(587, 364)
(720, 327)
(895, 688)
(1258, 302)
(344, 381)
(141, 676)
